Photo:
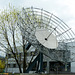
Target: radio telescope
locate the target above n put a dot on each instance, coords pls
(45, 31)
(46, 38)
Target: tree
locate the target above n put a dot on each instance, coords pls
(2, 66)
(10, 35)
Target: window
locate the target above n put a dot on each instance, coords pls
(8, 65)
(59, 66)
(44, 65)
(14, 65)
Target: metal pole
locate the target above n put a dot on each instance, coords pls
(41, 62)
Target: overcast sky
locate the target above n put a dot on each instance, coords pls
(64, 9)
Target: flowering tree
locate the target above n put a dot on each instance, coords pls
(10, 35)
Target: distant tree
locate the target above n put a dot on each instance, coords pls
(2, 66)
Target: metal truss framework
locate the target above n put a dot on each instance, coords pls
(32, 18)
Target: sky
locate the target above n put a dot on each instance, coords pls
(64, 9)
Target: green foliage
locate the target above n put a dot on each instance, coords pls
(11, 34)
(8, 24)
(2, 66)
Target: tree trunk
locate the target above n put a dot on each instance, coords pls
(15, 55)
(19, 66)
(24, 62)
(17, 62)
(24, 51)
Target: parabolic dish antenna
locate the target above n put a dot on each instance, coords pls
(46, 38)
(46, 32)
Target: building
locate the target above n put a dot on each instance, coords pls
(49, 65)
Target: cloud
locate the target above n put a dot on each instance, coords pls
(64, 9)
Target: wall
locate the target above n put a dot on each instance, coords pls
(47, 74)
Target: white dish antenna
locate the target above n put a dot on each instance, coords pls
(46, 38)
